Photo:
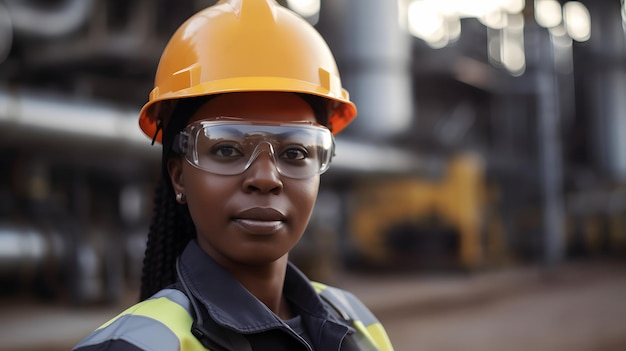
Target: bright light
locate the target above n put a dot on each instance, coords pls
(306, 8)
(512, 49)
(513, 6)
(577, 20)
(438, 21)
(453, 28)
(495, 20)
(474, 8)
(513, 57)
(425, 21)
(624, 14)
(548, 13)
(466, 8)
(471, 8)
(516, 22)
(558, 31)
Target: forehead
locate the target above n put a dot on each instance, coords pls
(256, 106)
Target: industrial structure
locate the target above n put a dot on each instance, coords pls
(501, 143)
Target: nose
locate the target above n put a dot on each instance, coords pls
(262, 175)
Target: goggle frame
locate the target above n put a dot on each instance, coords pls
(186, 144)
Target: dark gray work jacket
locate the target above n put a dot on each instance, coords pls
(209, 309)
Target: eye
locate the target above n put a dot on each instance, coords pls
(226, 151)
(294, 153)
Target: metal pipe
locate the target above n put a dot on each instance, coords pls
(36, 117)
(377, 70)
(25, 250)
(550, 154)
(66, 18)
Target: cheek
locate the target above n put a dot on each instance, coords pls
(312, 191)
(305, 195)
(207, 193)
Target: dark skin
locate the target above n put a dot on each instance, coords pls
(249, 222)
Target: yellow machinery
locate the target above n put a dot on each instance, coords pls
(457, 201)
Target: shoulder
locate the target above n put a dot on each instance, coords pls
(346, 303)
(353, 310)
(162, 322)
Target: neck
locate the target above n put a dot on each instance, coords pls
(266, 283)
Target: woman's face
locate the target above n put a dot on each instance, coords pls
(258, 216)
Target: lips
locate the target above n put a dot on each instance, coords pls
(260, 220)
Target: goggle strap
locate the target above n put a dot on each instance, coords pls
(159, 125)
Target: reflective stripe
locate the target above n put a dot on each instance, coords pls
(380, 336)
(363, 338)
(143, 332)
(354, 307)
(161, 323)
(363, 320)
(175, 296)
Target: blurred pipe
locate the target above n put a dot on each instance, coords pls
(55, 121)
(377, 159)
(26, 250)
(30, 20)
(607, 83)
(550, 157)
(376, 55)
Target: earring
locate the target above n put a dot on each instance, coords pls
(181, 198)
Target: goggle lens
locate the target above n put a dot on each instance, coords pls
(229, 147)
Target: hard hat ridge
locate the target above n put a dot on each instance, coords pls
(241, 8)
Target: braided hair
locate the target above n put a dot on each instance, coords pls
(171, 227)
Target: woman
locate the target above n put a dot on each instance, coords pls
(246, 99)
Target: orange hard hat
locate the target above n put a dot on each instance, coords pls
(245, 46)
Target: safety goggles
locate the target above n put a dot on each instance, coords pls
(228, 146)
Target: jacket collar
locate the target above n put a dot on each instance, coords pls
(234, 307)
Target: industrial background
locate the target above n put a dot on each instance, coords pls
(490, 139)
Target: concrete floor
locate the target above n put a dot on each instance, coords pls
(565, 315)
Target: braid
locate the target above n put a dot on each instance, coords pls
(170, 231)
(171, 227)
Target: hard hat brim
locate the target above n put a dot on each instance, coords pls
(340, 116)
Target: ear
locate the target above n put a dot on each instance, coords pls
(175, 170)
